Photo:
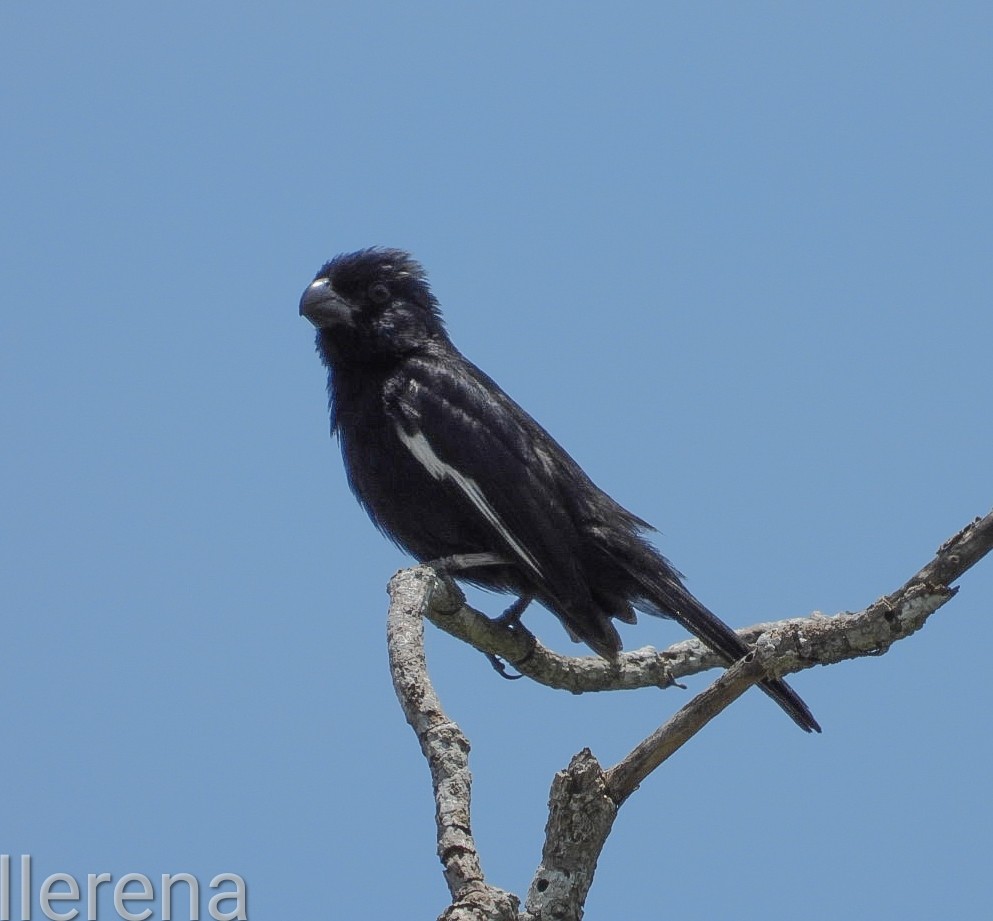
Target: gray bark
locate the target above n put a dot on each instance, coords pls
(584, 797)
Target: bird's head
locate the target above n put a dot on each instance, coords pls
(373, 305)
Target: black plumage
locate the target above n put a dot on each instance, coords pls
(445, 463)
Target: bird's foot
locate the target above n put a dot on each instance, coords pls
(511, 619)
(500, 667)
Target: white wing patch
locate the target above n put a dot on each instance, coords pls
(418, 445)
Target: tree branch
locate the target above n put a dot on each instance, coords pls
(625, 776)
(815, 640)
(584, 799)
(446, 750)
(581, 814)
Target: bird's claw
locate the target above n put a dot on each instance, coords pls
(500, 667)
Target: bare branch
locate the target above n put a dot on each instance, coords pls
(515, 644)
(803, 641)
(584, 799)
(580, 816)
(625, 776)
(447, 752)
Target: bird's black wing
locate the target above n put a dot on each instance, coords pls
(505, 473)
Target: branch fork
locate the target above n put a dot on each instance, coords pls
(585, 798)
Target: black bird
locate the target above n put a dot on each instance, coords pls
(446, 464)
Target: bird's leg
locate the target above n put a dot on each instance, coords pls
(512, 616)
(511, 619)
(460, 561)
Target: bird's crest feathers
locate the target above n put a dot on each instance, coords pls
(352, 274)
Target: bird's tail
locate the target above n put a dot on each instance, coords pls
(666, 596)
(716, 634)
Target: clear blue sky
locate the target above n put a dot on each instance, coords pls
(736, 257)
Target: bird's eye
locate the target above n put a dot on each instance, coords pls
(379, 293)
